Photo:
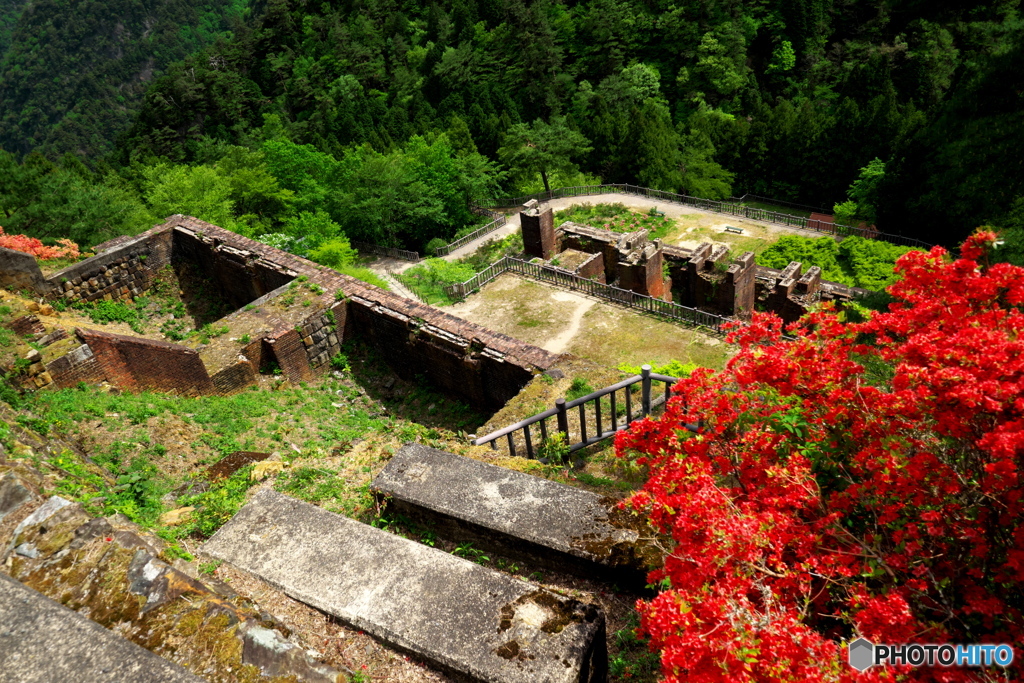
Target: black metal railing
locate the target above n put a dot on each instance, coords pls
(603, 415)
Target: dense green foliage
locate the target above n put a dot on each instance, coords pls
(899, 111)
(855, 261)
(617, 217)
(72, 73)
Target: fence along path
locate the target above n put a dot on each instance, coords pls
(731, 208)
(590, 427)
(499, 219)
(562, 278)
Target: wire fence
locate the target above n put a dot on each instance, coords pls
(729, 207)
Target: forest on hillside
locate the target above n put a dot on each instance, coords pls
(381, 119)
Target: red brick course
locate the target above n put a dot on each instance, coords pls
(138, 364)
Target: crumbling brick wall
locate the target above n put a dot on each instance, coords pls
(234, 378)
(287, 350)
(466, 359)
(78, 365)
(138, 364)
(242, 274)
(593, 268)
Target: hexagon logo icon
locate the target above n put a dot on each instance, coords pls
(861, 654)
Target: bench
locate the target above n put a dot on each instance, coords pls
(734, 230)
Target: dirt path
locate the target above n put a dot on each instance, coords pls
(561, 341)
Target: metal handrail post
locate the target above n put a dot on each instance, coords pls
(645, 390)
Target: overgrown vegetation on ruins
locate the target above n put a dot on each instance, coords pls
(861, 480)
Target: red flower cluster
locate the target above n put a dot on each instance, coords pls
(862, 480)
(30, 245)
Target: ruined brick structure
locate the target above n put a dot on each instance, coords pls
(538, 230)
(484, 367)
(702, 278)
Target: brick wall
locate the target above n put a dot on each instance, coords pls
(234, 378)
(593, 268)
(138, 364)
(78, 365)
(242, 274)
(466, 359)
(538, 227)
(286, 348)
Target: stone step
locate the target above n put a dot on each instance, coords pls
(43, 641)
(525, 517)
(469, 621)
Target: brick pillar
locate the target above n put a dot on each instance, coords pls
(741, 279)
(538, 232)
(654, 284)
(778, 300)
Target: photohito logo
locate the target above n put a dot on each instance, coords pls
(863, 654)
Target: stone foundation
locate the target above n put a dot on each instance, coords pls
(465, 359)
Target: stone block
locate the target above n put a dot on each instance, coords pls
(472, 622)
(43, 641)
(13, 494)
(537, 520)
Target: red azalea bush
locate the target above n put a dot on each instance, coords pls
(863, 480)
(30, 245)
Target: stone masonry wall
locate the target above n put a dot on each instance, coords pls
(461, 357)
(21, 271)
(120, 273)
(319, 336)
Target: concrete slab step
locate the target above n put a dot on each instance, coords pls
(472, 622)
(43, 641)
(529, 518)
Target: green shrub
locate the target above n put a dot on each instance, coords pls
(336, 253)
(579, 387)
(103, 312)
(856, 261)
(435, 244)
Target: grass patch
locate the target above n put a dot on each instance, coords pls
(616, 217)
(104, 312)
(366, 275)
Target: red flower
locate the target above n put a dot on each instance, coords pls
(864, 479)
